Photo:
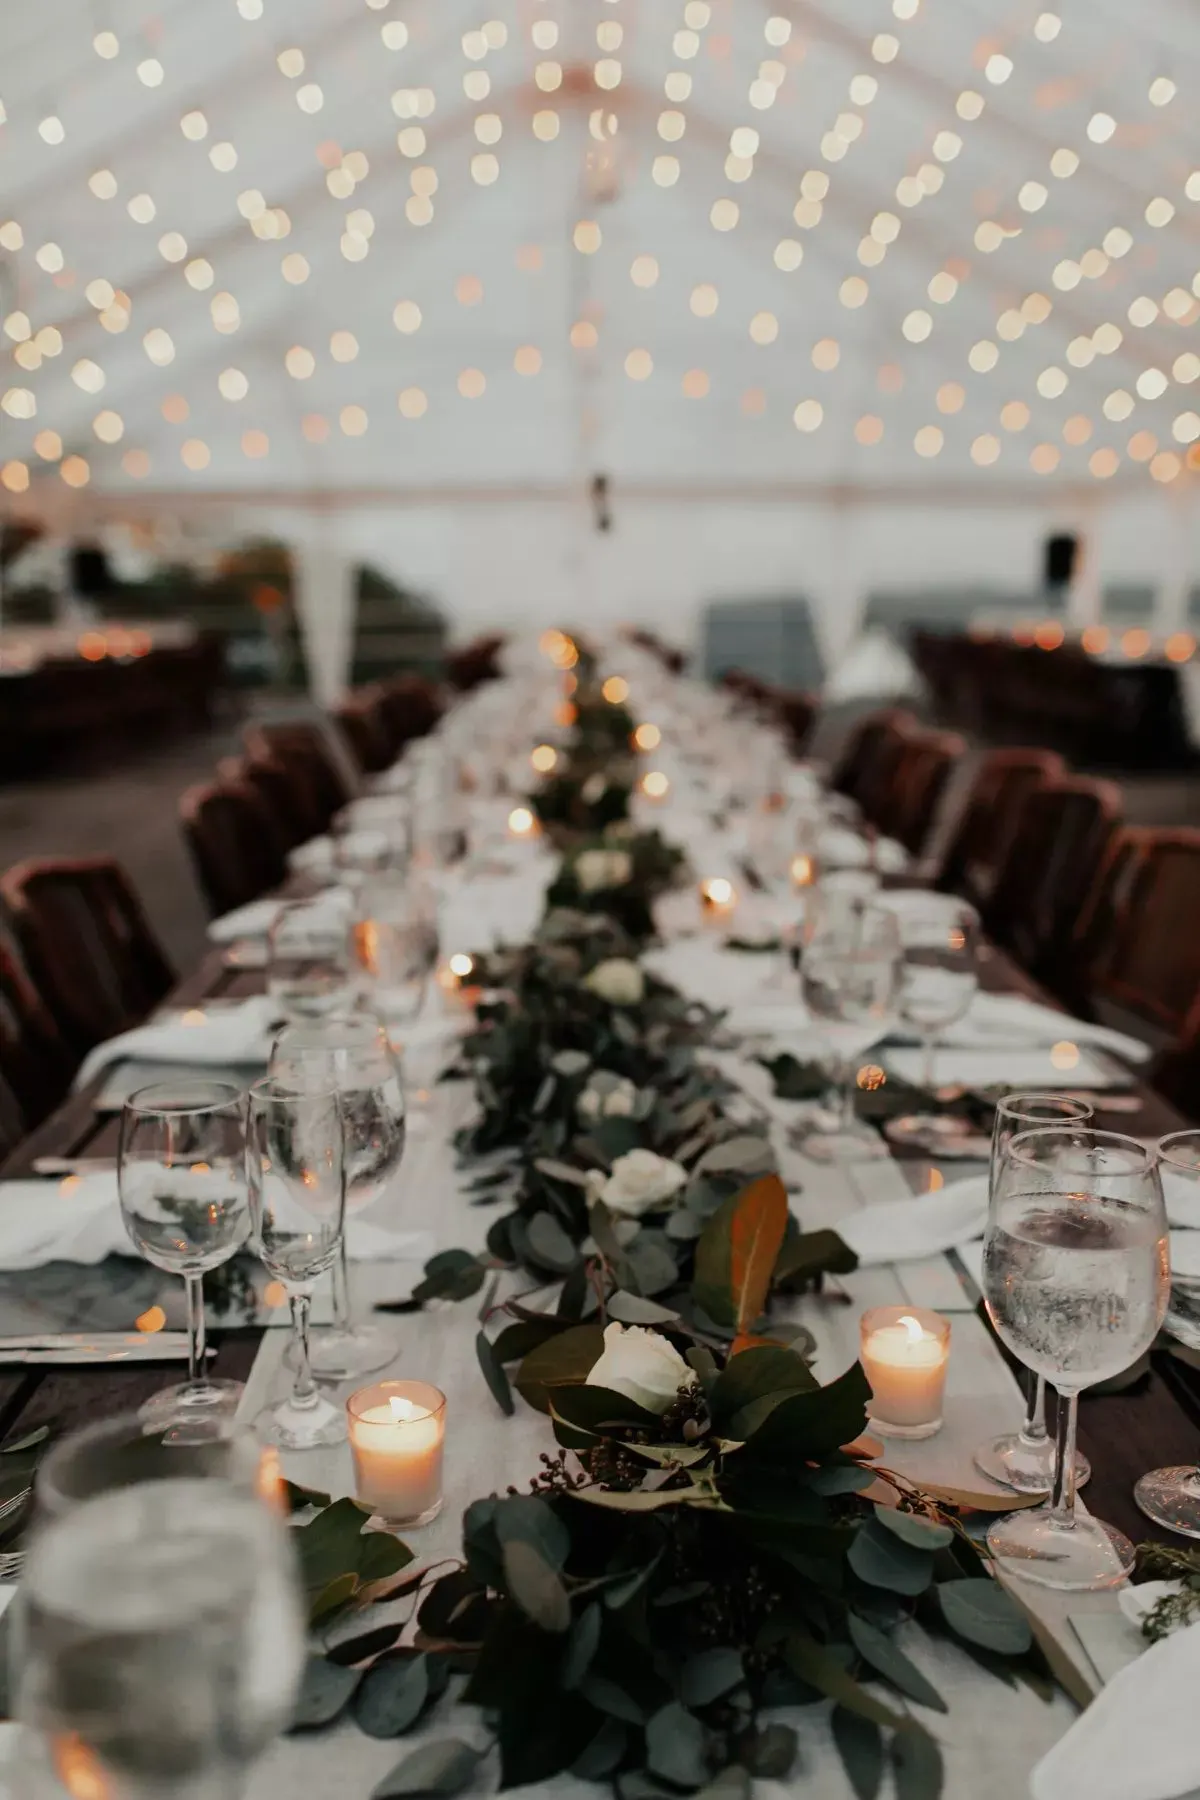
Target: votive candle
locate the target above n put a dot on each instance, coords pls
(397, 1431)
(904, 1353)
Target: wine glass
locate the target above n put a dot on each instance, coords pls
(310, 955)
(353, 1057)
(159, 1642)
(1171, 1497)
(1024, 1459)
(295, 1172)
(1076, 1282)
(392, 937)
(182, 1186)
(128, 1450)
(848, 975)
(938, 979)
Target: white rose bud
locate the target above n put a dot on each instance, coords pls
(591, 870)
(640, 1181)
(618, 981)
(642, 1365)
(589, 1103)
(617, 1102)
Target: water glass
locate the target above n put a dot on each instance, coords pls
(295, 1172)
(159, 1642)
(1076, 1282)
(353, 1057)
(130, 1449)
(849, 974)
(394, 944)
(1024, 1459)
(1171, 1497)
(310, 956)
(938, 979)
(182, 1186)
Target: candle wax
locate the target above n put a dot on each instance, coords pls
(907, 1373)
(397, 1460)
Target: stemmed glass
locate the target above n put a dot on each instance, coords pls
(848, 976)
(182, 1185)
(351, 1056)
(296, 1178)
(310, 955)
(1171, 1497)
(1076, 1282)
(1024, 1459)
(938, 980)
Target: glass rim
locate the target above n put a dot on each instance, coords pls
(368, 1024)
(118, 1428)
(1172, 1138)
(1021, 1147)
(172, 1100)
(1047, 1097)
(270, 1090)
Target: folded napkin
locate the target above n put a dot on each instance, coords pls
(1138, 1738)
(896, 1230)
(1182, 1196)
(1011, 1069)
(313, 858)
(840, 848)
(253, 920)
(1185, 1254)
(226, 1037)
(481, 914)
(79, 1220)
(998, 1019)
(703, 969)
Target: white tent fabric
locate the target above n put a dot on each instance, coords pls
(822, 289)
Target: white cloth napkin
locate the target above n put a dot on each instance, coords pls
(1182, 1196)
(1185, 1254)
(480, 915)
(1138, 1738)
(703, 969)
(1011, 1069)
(253, 920)
(312, 858)
(896, 1230)
(226, 1037)
(995, 1020)
(79, 1220)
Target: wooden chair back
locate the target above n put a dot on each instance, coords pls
(234, 843)
(1062, 833)
(872, 739)
(979, 842)
(36, 1061)
(302, 744)
(919, 783)
(87, 944)
(1152, 968)
(362, 724)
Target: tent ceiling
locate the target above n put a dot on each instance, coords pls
(495, 270)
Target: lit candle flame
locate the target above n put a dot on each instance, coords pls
(403, 1410)
(914, 1327)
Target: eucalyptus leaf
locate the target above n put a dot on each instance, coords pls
(732, 1783)
(493, 1373)
(744, 1155)
(435, 1771)
(888, 1660)
(26, 1442)
(912, 1528)
(821, 1669)
(771, 1752)
(709, 1674)
(603, 1753)
(981, 1612)
(675, 1746)
(916, 1764)
(581, 1645)
(365, 1645)
(526, 1518)
(860, 1745)
(392, 1696)
(560, 1171)
(549, 1245)
(535, 1587)
(633, 1309)
(883, 1560)
(325, 1692)
(570, 1063)
(608, 1698)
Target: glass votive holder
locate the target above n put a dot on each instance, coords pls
(397, 1431)
(904, 1352)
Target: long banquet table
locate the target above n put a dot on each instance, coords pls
(992, 1734)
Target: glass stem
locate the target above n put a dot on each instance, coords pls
(341, 1290)
(849, 1119)
(928, 1070)
(1062, 1497)
(304, 1388)
(194, 1287)
(1033, 1431)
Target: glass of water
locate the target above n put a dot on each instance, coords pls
(129, 1449)
(848, 974)
(353, 1057)
(1024, 1459)
(1076, 1282)
(159, 1642)
(1171, 1497)
(182, 1184)
(394, 944)
(938, 979)
(295, 1172)
(310, 956)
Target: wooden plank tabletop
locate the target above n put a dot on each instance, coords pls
(1157, 1422)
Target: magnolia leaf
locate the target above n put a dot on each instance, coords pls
(771, 1752)
(535, 1587)
(434, 1771)
(581, 1646)
(755, 1374)
(911, 1528)
(736, 1253)
(860, 1745)
(380, 1555)
(332, 1597)
(549, 1245)
(884, 1561)
(392, 1696)
(877, 1649)
(544, 1096)
(525, 1335)
(981, 1612)
(709, 1674)
(563, 1360)
(27, 1442)
(807, 1254)
(807, 1426)
(632, 1309)
(493, 1373)
(675, 1746)
(324, 1693)
(328, 1546)
(642, 1502)
(977, 1500)
(298, 1497)
(737, 1156)
(916, 1764)
(592, 1408)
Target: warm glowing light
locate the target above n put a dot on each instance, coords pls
(639, 365)
(75, 471)
(808, 415)
(615, 690)
(985, 449)
(1095, 639)
(544, 758)
(1136, 642)
(647, 737)
(853, 292)
(521, 822)
(1014, 416)
(869, 429)
(917, 326)
(1103, 463)
(1100, 127)
(717, 890)
(1044, 459)
(1180, 647)
(353, 421)
(109, 427)
(950, 397)
(1049, 635)
(723, 215)
(983, 356)
(764, 328)
(655, 784)
(928, 441)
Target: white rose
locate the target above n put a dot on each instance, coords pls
(618, 981)
(639, 1181)
(594, 788)
(641, 1365)
(614, 1103)
(592, 870)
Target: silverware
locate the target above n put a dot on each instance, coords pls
(79, 1347)
(12, 1565)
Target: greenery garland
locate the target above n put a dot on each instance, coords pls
(701, 1547)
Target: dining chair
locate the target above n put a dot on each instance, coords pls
(870, 740)
(411, 706)
(236, 847)
(36, 1060)
(1050, 869)
(979, 841)
(364, 730)
(303, 744)
(87, 944)
(1150, 971)
(919, 783)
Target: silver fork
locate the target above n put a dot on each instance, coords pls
(12, 1565)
